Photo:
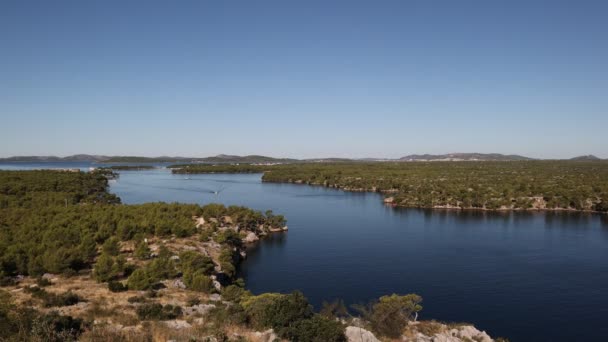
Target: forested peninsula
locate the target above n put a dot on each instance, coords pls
(76, 265)
(481, 185)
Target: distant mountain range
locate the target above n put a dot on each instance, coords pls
(257, 159)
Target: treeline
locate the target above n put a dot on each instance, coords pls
(219, 168)
(467, 185)
(129, 167)
(42, 188)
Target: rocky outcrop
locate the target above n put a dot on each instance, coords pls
(356, 334)
(424, 331)
(178, 324)
(200, 221)
(251, 238)
(437, 332)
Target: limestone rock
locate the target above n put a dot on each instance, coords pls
(202, 309)
(217, 285)
(178, 324)
(266, 336)
(463, 333)
(356, 334)
(251, 238)
(178, 283)
(200, 221)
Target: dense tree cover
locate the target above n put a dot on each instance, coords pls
(40, 188)
(39, 233)
(482, 185)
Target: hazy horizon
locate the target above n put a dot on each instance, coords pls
(304, 80)
(275, 156)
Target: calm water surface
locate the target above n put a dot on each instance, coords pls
(525, 276)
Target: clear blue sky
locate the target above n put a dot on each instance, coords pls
(304, 78)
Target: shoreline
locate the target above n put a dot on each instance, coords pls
(444, 207)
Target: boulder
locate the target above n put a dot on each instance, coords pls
(389, 200)
(251, 238)
(217, 285)
(356, 334)
(178, 283)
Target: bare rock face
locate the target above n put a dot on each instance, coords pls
(200, 221)
(356, 334)
(251, 238)
(215, 297)
(463, 333)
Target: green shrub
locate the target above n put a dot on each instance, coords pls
(161, 268)
(315, 329)
(142, 251)
(53, 327)
(198, 281)
(192, 261)
(234, 293)
(229, 237)
(390, 314)
(137, 299)
(51, 299)
(43, 282)
(155, 311)
(111, 246)
(104, 269)
(277, 311)
(223, 315)
(139, 280)
(115, 286)
(333, 310)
